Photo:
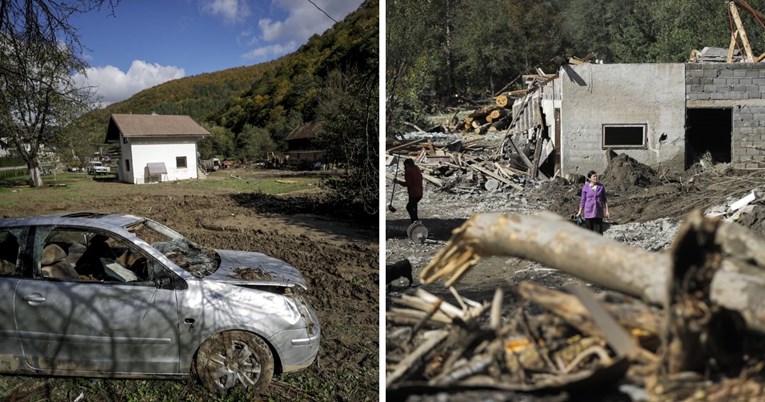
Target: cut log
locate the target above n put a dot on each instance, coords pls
(497, 113)
(501, 100)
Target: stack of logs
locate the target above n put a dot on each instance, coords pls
(493, 118)
(499, 116)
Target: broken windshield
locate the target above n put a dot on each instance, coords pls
(196, 260)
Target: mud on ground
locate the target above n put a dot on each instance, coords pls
(337, 257)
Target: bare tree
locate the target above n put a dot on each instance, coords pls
(39, 52)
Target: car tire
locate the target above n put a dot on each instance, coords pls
(234, 359)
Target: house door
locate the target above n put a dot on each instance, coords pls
(708, 131)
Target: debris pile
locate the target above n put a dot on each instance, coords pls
(462, 166)
(624, 173)
(687, 328)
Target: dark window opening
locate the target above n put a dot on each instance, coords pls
(180, 161)
(708, 131)
(9, 253)
(624, 136)
(127, 165)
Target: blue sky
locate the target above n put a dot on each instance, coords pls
(147, 42)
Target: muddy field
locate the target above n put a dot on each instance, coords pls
(646, 208)
(337, 256)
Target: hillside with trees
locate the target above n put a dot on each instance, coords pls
(440, 53)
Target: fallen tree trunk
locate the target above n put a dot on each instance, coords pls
(550, 240)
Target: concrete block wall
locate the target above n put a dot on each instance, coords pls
(740, 87)
(597, 94)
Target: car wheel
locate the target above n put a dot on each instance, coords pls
(234, 359)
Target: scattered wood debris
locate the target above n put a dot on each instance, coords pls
(681, 325)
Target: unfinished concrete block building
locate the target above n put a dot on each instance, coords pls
(662, 115)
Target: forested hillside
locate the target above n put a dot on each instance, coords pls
(436, 50)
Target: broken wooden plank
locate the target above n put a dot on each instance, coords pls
(403, 146)
(414, 359)
(740, 28)
(433, 180)
(571, 310)
(414, 126)
(506, 171)
(534, 170)
(731, 47)
(495, 176)
(523, 156)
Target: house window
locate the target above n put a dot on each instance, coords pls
(127, 165)
(624, 135)
(124, 140)
(180, 162)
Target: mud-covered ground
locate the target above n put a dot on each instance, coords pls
(646, 208)
(337, 256)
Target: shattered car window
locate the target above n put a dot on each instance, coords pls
(76, 254)
(180, 250)
(9, 252)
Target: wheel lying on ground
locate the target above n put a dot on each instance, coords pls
(234, 359)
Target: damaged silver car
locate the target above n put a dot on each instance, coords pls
(121, 296)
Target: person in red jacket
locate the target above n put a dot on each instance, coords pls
(413, 183)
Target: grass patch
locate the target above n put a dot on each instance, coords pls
(63, 389)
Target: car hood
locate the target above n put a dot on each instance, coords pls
(248, 268)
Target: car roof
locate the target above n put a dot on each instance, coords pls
(88, 219)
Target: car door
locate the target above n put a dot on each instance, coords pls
(69, 326)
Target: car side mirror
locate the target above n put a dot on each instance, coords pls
(164, 283)
(164, 279)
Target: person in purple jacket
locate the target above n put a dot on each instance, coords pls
(594, 204)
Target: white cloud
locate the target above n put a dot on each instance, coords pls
(232, 11)
(271, 30)
(270, 52)
(302, 20)
(113, 85)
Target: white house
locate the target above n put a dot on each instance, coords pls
(155, 147)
